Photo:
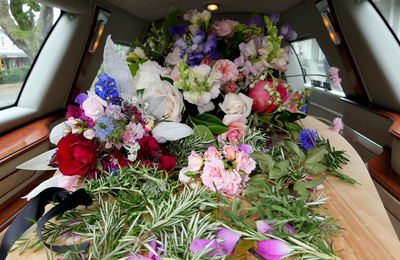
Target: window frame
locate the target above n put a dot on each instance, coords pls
(385, 21)
(33, 63)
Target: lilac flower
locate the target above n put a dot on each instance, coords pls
(179, 29)
(245, 148)
(307, 138)
(81, 98)
(106, 88)
(104, 127)
(337, 124)
(274, 18)
(273, 249)
(284, 31)
(257, 21)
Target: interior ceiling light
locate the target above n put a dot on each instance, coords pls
(212, 7)
(323, 8)
(102, 18)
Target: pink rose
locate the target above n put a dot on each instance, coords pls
(230, 152)
(244, 163)
(183, 177)
(195, 162)
(212, 153)
(234, 186)
(94, 106)
(231, 88)
(214, 175)
(228, 70)
(262, 101)
(237, 125)
(224, 28)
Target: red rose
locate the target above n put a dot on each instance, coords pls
(76, 155)
(148, 145)
(260, 96)
(167, 163)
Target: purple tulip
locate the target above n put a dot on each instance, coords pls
(230, 239)
(272, 249)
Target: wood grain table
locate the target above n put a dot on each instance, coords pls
(368, 232)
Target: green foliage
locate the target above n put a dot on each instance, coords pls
(13, 75)
(211, 122)
(23, 13)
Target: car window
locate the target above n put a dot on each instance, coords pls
(315, 66)
(390, 10)
(24, 26)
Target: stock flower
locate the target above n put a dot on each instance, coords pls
(81, 98)
(173, 57)
(307, 138)
(133, 133)
(257, 21)
(224, 28)
(337, 124)
(76, 155)
(114, 111)
(227, 69)
(237, 125)
(235, 104)
(248, 49)
(73, 111)
(273, 249)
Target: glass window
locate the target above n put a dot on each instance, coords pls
(22, 33)
(390, 10)
(314, 64)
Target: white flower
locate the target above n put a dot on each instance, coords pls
(174, 102)
(236, 104)
(139, 52)
(173, 58)
(206, 108)
(248, 49)
(202, 70)
(149, 74)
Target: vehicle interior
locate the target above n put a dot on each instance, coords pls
(360, 37)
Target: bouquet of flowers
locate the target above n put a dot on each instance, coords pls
(191, 146)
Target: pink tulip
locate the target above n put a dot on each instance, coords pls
(272, 249)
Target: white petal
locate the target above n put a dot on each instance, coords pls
(171, 131)
(156, 107)
(52, 182)
(57, 133)
(249, 104)
(39, 163)
(116, 67)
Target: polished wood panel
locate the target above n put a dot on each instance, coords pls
(369, 233)
(13, 206)
(381, 171)
(16, 142)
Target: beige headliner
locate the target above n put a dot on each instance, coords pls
(157, 9)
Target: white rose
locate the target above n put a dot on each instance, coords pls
(139, 52)
(174, 102)
(148, 74)
(236, 104)
(173, 57)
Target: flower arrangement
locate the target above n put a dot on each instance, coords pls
(190, 135)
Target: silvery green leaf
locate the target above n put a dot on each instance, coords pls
(171, 131)
(57, 133)
(52, 182)
(116, 67)
(39, 163)
(156, 107)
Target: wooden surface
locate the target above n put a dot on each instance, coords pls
(369, 233)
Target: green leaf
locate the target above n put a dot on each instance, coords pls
(167, 79)
(257, 179)
(301, 187)
(343, 177)
(293, 126)
(170, 21)
(315, 155)
(202, 131)
(265, 161)
(133, 67)
(243, 246)
(315, 168)
(293, 148)
(212, 122)
(280, 171)
(191, 173)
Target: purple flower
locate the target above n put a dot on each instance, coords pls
(81, 98)
(73, 111)
(206, 244)
(230, 239)
(257, 21)
(106, 88)
(284, 31)
(180, 43)
(307, 138)
(265, 228)
(303, 108)
(292, 36)
(226, 247)
(337, 124)
(246, 148)
(272, 249)
(198, 37)
(274, 18)
(179, 29)
(104, 127)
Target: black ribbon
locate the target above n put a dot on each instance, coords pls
(35, 209)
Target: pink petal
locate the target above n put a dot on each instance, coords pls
(272, 249)
(199, 244)
(263, 227)
(67, 182)
(230, 239)
(319, 187)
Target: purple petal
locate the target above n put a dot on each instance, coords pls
(199, 244)
(230, 239)
(81, 98)
(274, 18)
(292, 36)
(273, 249)
(290, 229)
(263, 227)
(284, 31)
(246, 148)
